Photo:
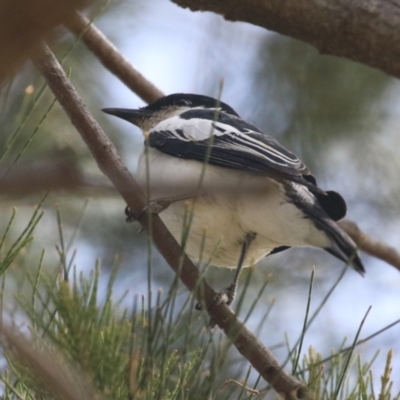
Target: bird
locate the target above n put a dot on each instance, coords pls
(228, 191)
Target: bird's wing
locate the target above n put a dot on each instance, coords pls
(225, 141)
(228, 141)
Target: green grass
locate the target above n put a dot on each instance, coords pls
(77, 340)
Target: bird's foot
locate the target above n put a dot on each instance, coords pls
(156, 206)
(226, 296)
(153, 207)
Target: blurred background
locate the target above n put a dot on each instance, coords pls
(340, 117)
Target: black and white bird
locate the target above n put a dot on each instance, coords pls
(248, 196)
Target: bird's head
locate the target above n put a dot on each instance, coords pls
(167, 107)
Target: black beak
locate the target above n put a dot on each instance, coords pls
(132, 116)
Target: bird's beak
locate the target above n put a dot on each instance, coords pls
(135, 117)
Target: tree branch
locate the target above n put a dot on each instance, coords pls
(361, 30)
(112, 59)
(112, 166)
(371, 246)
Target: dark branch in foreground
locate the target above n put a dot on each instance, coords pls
(24, 24)
(363, 30)
(112, 166)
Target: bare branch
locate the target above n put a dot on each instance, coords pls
(371, 246)
(112, 59)
(361, 30)
(112, 166)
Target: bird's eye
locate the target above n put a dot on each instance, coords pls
(183, 103)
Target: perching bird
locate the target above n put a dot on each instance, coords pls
(240, 194)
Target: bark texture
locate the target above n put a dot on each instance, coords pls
(360, 30)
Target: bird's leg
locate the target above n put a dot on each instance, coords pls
(156, 206)
(228, 295)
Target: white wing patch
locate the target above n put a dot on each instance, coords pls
(193, 129)
(236, 144)
(198, 129)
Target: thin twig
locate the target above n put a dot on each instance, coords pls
(112, 166)
(240, 384)
(112, 59)
(347, 363)
(361, 341)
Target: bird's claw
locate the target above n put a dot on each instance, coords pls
(226, 296)
(130, 215)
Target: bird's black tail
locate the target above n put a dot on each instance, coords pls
(327, 208)
(342, 246)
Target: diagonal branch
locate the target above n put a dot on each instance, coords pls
(112, 166)
(112, 59)
(371, 246)
(361, 30)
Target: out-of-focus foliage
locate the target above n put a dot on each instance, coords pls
(312, 99)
